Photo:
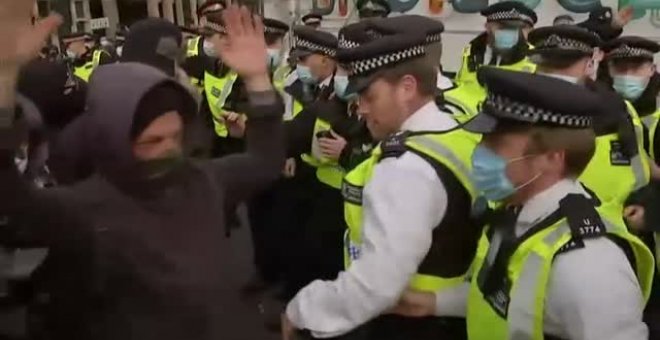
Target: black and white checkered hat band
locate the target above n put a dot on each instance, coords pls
(625, 51)
(214, 27)
(368, 65)
(345, 44)
(433, 38)
(314, 47)
(556, 42)
(274, 30)
(510, 15)
(507, 108)
(213, 8)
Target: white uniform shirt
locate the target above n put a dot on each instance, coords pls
(593, 292)
(443, 82)
(402, 203)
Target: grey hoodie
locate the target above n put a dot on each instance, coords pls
(138, 259)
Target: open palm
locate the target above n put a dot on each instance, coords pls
(20, 40)
(243, 48)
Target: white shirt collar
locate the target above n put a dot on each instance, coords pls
(428, 117)
(443, 82)
(546, 202)
(325, 82)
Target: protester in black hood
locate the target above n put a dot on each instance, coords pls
(60, 99)
(155, 42)
(141, 235)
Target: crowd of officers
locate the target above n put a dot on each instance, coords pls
(387, 198)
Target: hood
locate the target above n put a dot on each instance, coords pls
(115, 91)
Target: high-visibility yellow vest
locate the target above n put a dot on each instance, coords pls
(192, 50)
(516, 310)
(84, 72)
(651, 123)
(217, 91)
(452, 149)
(612, 175)
(637, 122)
(467, 98)
(294, 107)
(467, 76)
(328, 171)
(469, 93)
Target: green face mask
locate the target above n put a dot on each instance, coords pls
(160, 167)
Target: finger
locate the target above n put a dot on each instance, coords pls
(333, 134)
(246, 21)
(258, 26)
(232, 18)
(45, 27)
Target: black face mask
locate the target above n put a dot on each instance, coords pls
(159, 168)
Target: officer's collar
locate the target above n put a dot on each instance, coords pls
(547, 201)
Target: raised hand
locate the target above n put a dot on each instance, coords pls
(243, 48)
(20, 40)
(623, 17)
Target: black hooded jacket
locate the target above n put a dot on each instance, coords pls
(138, 259)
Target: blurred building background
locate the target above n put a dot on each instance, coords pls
(105, 17)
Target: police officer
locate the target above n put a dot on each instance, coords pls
(83, 56)
(553, 262)
(569, 53)
(120, 39)
(407, 206)
(368, 9)
(200, 49)
(503, 44)
(634, 76)
(433, 29)
(312, 20)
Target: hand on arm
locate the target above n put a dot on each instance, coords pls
(332, 147)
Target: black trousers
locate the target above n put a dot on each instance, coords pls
(269, 213)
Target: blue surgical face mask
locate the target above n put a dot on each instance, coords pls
(274, 58)
(630, 87)
(489, 174)
(305, 75)
(506, 39)
(341, 84)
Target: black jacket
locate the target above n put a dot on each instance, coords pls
(138, 259)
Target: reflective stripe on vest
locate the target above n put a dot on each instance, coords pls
(328, 171)
(292, 106)
(217, 91)
(610, 162)
(637, 122)
(520, 310)
(651, 123)
(451, 149)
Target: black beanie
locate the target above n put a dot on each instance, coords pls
(155, 42)
(158, 101)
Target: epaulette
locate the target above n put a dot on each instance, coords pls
(394, 145)
(583, 220)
